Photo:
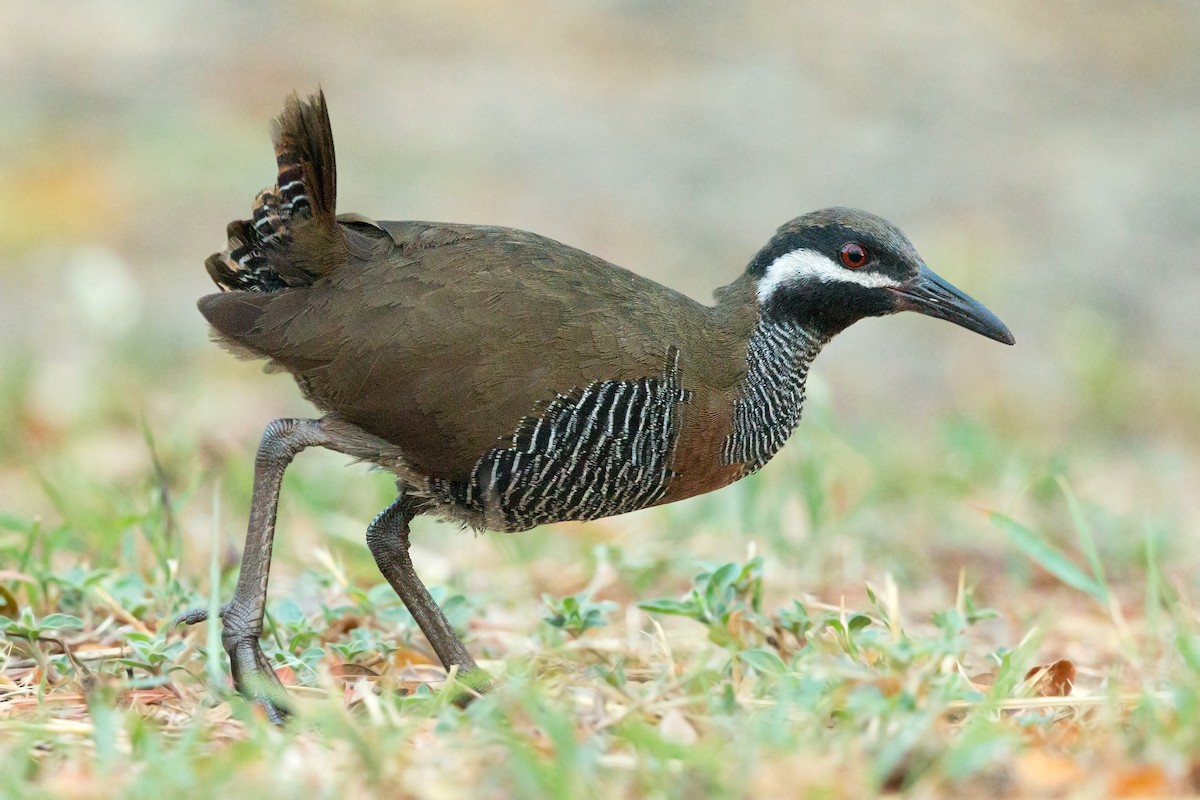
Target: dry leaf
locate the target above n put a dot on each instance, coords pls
(286, 675)
(338, 629)
(1053, 680)
(353, 673)
(1147, 780)
(406, 657)
(740, 628)
(32, 677)
(983, 682)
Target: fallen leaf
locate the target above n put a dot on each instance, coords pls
(407, 657)
(31, 678)
(983, 681)
(286, 675)
(352, 673)
(419, 673)
(1053, 680)
(1146, 780)
(744, 629)
(338, 629)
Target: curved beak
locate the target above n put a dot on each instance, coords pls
(930, 294)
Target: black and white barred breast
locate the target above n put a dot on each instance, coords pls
(771, 398)
(606, 449)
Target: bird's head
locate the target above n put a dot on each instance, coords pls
(830, 268)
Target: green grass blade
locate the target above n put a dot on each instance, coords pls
(1049, 557)
(1087, 541)
(213, 666)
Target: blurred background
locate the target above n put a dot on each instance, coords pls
(1043, 157)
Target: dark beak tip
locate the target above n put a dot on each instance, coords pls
(996, 330)
(988, 324)
(932, 295)
(997, 333)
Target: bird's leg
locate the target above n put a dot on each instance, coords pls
(387, 537)
(243, 615)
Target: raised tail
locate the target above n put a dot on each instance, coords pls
(260, 256)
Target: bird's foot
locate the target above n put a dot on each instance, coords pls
(253, 675)
(471, 684)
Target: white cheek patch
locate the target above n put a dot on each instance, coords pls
(801, 266)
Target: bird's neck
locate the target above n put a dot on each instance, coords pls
(770, 396)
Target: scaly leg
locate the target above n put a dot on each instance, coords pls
(243, 615)
(387, 537)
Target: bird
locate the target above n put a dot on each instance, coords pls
(507, 380)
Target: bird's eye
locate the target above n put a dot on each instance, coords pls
(854, 255)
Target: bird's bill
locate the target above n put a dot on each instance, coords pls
(930, 294)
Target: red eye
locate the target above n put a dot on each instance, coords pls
(854, 255)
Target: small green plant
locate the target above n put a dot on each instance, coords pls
(27, 626)
(99, 695)
(151, 652)
(291, 628)
(715, 596)
(303, 665)
(795, 619)
(362, 642)
(576, 613)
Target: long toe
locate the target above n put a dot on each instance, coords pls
(195, 615)
(256, 680)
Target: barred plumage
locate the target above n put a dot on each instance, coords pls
(424, 343)
(246, 264)
(772, 394)
(606, 451)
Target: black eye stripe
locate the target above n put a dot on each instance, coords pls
(887, 254)
(827, 239)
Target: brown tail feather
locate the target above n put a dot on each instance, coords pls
(304, 197)
(304, 151)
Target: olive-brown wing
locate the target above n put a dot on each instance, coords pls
(446, 340)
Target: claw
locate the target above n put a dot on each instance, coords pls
(190, 617)
(252, 672)
(195, 615)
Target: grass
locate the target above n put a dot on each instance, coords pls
(960, 611)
